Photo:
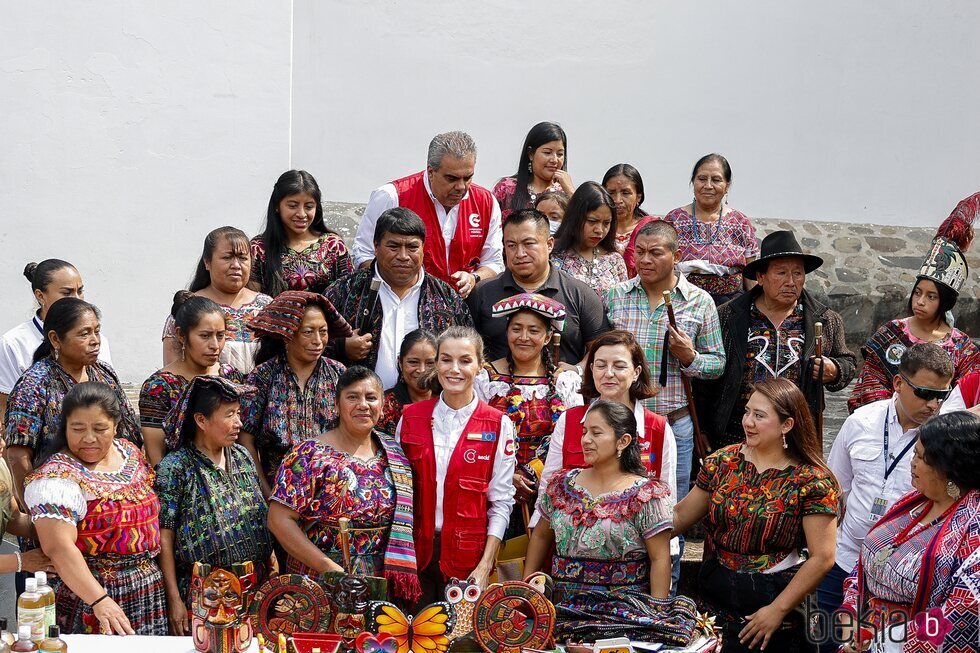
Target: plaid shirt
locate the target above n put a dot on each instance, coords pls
(696, 315)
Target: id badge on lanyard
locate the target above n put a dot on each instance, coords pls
(880, 505)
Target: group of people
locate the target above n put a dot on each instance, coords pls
(540, 358)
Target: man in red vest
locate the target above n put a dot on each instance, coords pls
(463, 243)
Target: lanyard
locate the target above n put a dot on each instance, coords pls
(37, 325)
(890, 468)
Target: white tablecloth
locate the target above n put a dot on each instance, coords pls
(133, 644)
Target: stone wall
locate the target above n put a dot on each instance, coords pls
(867, 275)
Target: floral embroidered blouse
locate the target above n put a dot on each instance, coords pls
(611, 526)
(323, 484)
(532, 404)
(160, 393)
(713, 255)
(755, 519)
(241, 343)
(504, 192)
(605, 271)
(324, 261)
(34, 406)
(116, 512)
(280, 414)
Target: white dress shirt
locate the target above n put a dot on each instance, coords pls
(386, 197)
(400, 315)
(17, 348)
(857, 459)
(954, 402)
(447, 428)
(553, 463)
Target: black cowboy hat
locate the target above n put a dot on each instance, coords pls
(780, 244)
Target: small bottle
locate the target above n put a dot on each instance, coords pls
(24, 642)
(30, 610)
(6, 637)
(54, 643)
(47, 595)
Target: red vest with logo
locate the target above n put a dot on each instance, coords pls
(472, 226)
(468, 476)
(651, 444)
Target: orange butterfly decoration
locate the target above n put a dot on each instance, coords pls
(426, 632)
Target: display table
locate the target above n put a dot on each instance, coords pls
(133, 644)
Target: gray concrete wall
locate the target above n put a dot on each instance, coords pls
(130, 129)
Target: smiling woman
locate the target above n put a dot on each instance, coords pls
(542, 167)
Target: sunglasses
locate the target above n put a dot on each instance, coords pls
(928, 394)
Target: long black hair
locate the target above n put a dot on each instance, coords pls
(622, 421)
(541, 133)
(82, 395)
(631, 173)
(586, 198)
(951, 443)
(238, 239)
(62, 317)
(274, 235)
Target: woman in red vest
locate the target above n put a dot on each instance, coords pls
(616, 370)
(462, 456)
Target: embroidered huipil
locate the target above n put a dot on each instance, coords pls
(605, 271)
(323, 484)
(313, 269)
(281, 414)
(504, 192)
(530, 402)
(34, 405)
(696, 316)
(713, 255)
(217, 516)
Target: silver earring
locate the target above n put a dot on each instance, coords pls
(183, 352)
(785, 446)
(953, 490)
(619, 453)
(56, 354)
(529, 168)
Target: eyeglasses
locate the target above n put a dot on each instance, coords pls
(927, 394)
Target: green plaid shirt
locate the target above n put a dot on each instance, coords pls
(696, 316)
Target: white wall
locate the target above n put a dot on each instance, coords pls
(129, 129)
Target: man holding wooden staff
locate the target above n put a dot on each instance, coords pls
(769, 332)
(693, 350)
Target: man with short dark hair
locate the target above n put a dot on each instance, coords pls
(872, 456)
(769, 332)
(528, 242)
(461, 218)
(408, 297)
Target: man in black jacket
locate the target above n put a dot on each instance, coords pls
(769, 332)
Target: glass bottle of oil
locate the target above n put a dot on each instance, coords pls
(54, 643)
(47, 595)
(23, 642)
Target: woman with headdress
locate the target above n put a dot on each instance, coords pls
(526, 386)
(416, 355)
(352, 471)
(934, 293)
(211, 506)
(296, 385)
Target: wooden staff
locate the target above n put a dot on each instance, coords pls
(818, 352)
(345, 542)
(555, 348)
(701, 446)
(368, 311)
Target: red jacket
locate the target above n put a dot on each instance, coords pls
(651, 444)
(464, 502)
(471, 227)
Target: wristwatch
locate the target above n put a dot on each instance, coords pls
(476, 278)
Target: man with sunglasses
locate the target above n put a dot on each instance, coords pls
(872, 456)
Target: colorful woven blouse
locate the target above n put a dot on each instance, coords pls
(605, 271)
(324, 261)
(531, 403)
(217, 516)
(504, 192)
(394, 401)
(323, 484)
(34, 406)
(755, 519)
(730, 243)
(160, 393)
(883, 352)
(281, 415)
(116, 512)
(241, 343)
